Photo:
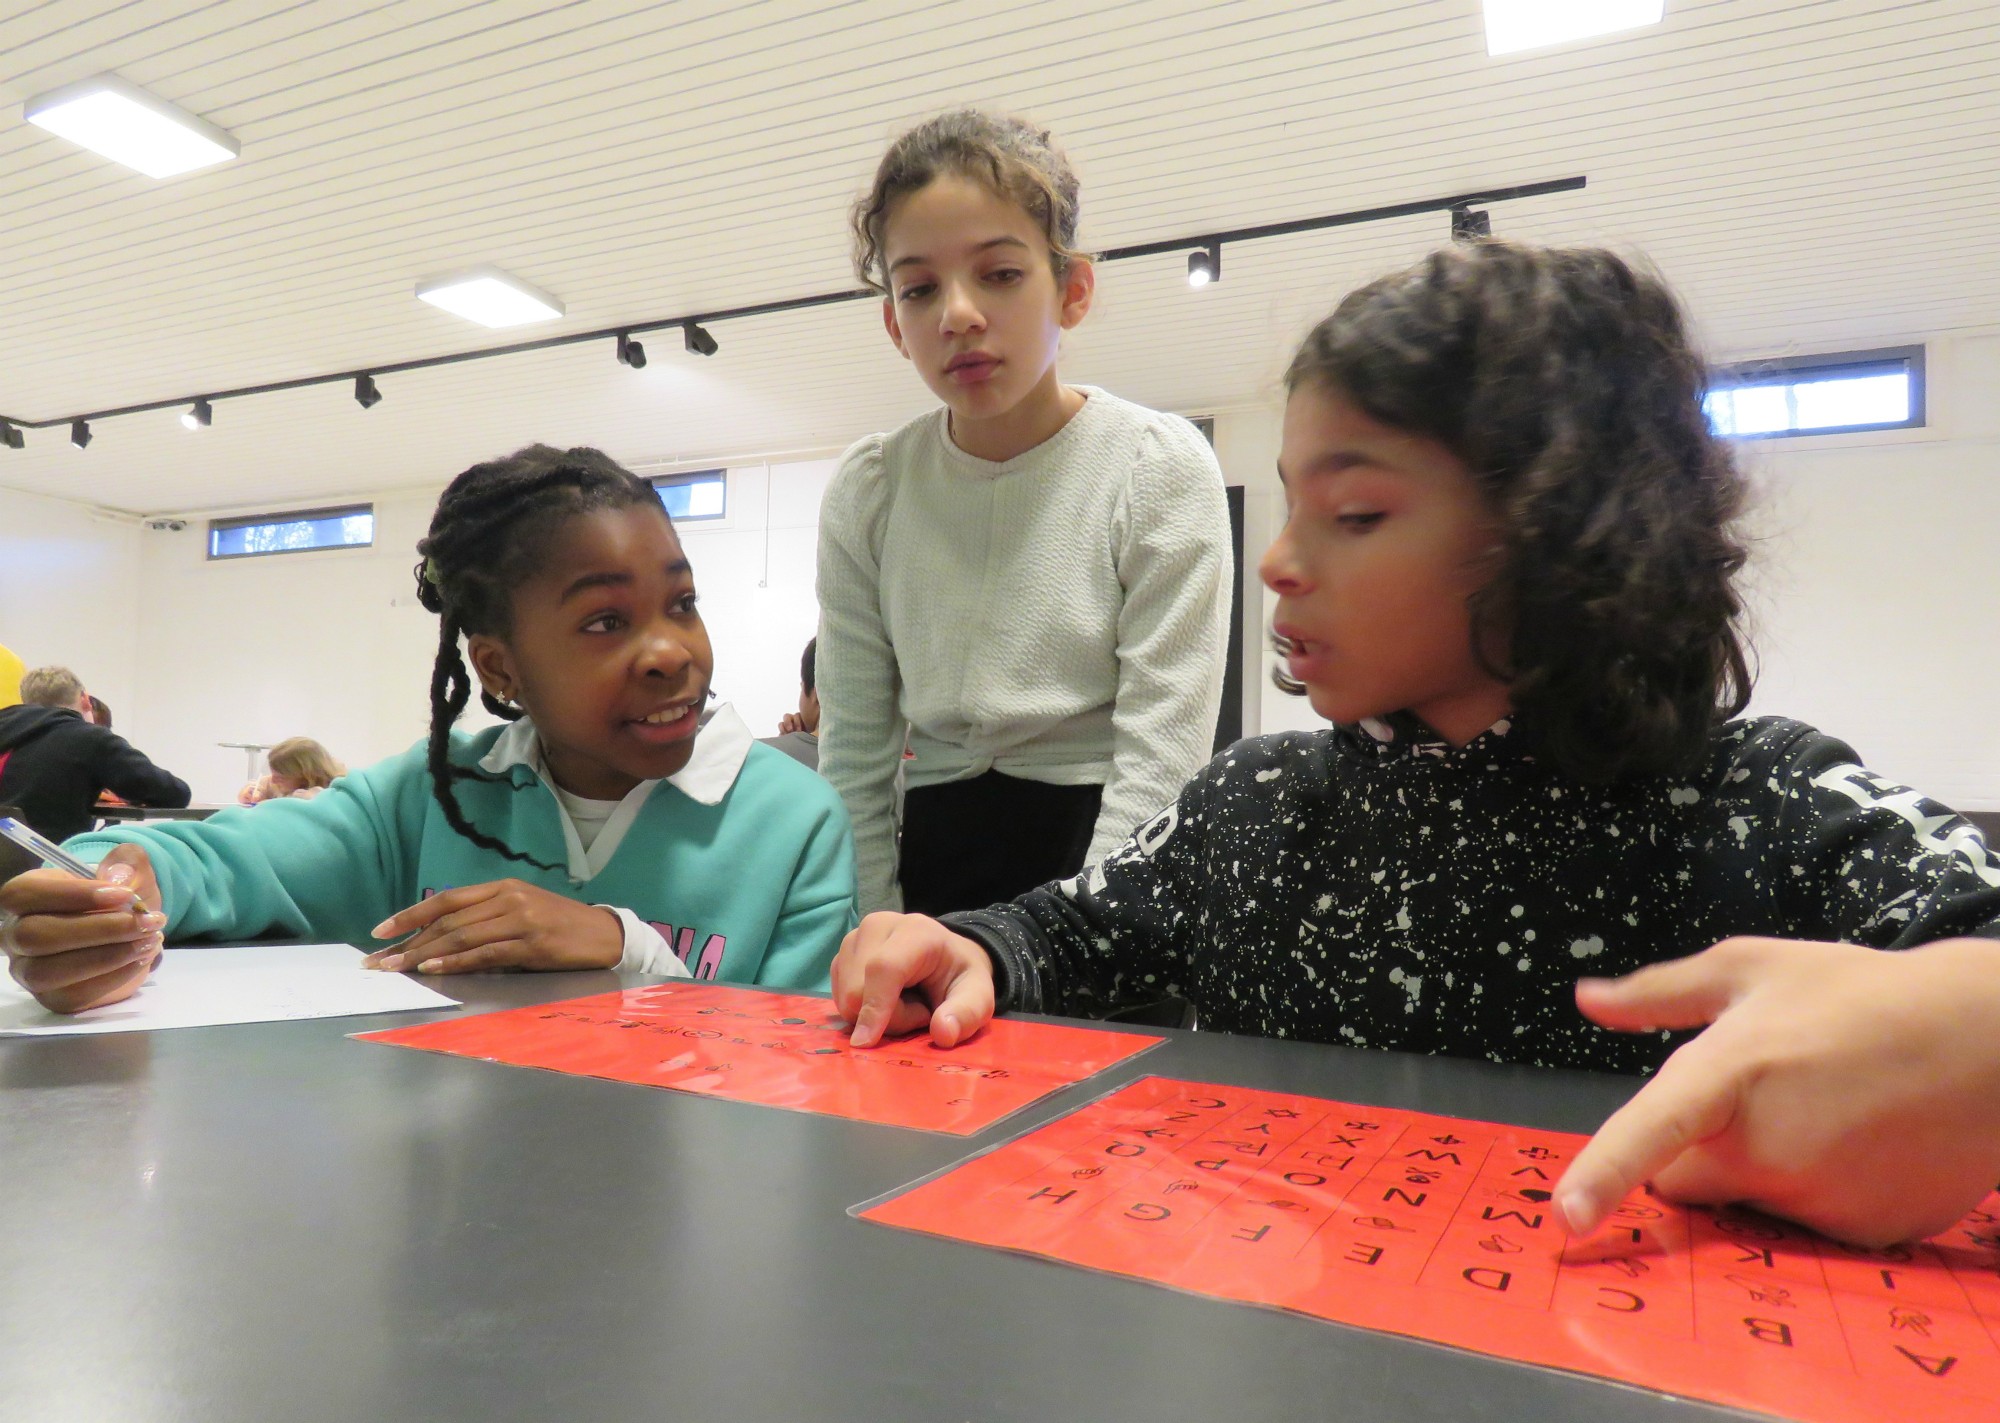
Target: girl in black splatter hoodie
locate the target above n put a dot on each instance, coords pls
(1507, 580)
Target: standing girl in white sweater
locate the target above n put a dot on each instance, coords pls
(1031, 582)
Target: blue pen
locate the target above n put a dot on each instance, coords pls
(49, 853)
(43, 849)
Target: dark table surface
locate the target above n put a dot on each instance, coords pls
(105, 811)
(270, 1222)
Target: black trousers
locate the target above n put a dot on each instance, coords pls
(968, 844)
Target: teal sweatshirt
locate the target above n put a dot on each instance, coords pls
(756, 888)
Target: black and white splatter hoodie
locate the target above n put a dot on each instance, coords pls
(1376, 886)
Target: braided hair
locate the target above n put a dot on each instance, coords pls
(490, 533)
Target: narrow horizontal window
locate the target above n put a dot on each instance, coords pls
(352, 526)
(691, 497)
(1816, 395)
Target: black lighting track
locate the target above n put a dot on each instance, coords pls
(1191, 242)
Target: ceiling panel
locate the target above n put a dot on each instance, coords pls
(1810, 174)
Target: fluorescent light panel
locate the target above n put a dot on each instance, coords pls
(1531, 24)
(491, 298)
(124, 123)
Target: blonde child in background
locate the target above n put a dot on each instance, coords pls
(300, 767)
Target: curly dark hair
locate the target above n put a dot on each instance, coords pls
(1566, 382)
(1013, 157)
(491, 530)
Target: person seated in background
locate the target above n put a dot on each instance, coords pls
(55, 763)
(798, 733)
(100, 715)
(300, 767)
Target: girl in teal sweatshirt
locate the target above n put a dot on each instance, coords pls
(615, 822)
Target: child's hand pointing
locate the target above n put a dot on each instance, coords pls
(899, 972)
(1854, 1090)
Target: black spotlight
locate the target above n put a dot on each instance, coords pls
(1205, 265)
(1467, 225)
(631, 353)
(698, 340)
(365, 393)
(198, 416)
(11, 436)
(79, 433)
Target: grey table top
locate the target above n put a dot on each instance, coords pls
(116, 813)
(269, 1221)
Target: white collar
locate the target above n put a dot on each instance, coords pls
(719, 749)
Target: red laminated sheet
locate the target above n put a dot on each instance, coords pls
(1441, 1228)
(781, 1050)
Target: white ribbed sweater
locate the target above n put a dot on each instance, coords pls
(1061, 616)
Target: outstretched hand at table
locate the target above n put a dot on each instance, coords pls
(501, 924)
(1853, 1090)
(898, 973)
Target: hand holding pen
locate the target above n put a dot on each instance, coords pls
(77, 938)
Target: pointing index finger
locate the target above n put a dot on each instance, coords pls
(1675, 1111)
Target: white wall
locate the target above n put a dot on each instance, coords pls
(68, 590)
(1876, 595)
(329, 644)
(1874, 585)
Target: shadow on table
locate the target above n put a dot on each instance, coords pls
(87, 1060)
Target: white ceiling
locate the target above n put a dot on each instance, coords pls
(1810, 174)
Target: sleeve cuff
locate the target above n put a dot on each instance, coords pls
(645, 950)
(1017, 987)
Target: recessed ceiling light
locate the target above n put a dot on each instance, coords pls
(490, 297)
(1530, 24)
(124, 123)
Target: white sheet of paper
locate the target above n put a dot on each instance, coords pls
(264, 983)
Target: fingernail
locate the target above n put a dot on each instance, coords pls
(111, 897)
(429, 966)
(152, 920)
(1579, 1209)
(382, 930)
(394, 963)
(864, 1027)
(116, 874)
(949, 1023)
